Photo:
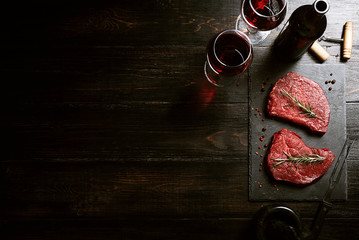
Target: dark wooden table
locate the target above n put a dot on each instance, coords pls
(110, 131)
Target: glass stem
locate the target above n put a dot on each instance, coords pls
(252, 30)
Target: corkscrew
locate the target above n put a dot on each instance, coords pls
(347, 42)
(282, 222)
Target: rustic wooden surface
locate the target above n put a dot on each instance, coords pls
(109, 130)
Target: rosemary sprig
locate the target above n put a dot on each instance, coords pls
(304, 159)
(307, 109)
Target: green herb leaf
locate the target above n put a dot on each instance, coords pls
(307, 109)
(304, 159)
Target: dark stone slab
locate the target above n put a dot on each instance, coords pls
(261, 79)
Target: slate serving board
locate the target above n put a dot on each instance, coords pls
(261, 80)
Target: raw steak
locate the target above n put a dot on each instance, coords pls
(287, 143)
(307, 92)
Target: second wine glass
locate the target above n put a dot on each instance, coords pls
(229, 53)
(258, 17)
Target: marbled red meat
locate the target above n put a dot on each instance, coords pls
(288, 142)
(306, 91)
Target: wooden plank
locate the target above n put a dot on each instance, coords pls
(114, 23)
(85, 75)
(122, 189)
(352, 119)
(125, 132)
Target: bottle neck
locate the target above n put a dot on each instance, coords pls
(317, 11)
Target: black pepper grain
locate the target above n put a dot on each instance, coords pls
(333, 81)
(330, 88)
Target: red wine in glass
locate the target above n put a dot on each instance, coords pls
(258, 17)
(228, 54)
(264, 14)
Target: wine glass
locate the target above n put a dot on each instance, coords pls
(258, 17)
(229, 53)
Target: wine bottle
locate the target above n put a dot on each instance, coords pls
(306, 24)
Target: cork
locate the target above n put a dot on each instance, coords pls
(348, 40)
(319, 51)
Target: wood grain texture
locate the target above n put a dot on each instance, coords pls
(163, 228)
(110, 129)
(177, 189)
